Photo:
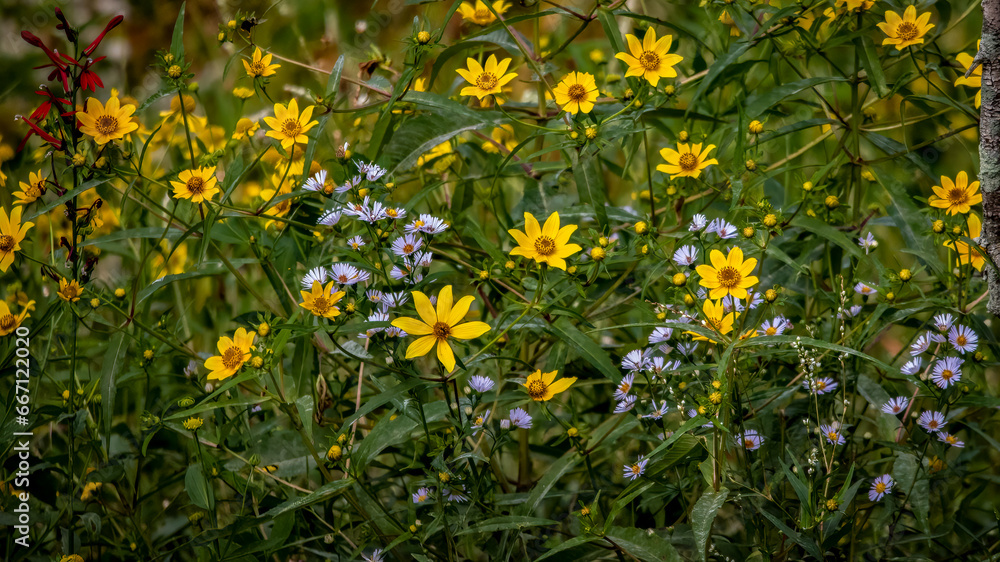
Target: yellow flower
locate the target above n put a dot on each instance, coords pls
(504, 136)
(242, 93)
(956, 196)
(480, 13)
(321, 300)
(907, 30)
(90, 490)
(852, 5)
(716, 318)
(442, 155)
(8, 321)
(542, 388)
(106, 122)
(71, 558)
(32, 190)
(576, 92)
(260, 66)
(197, 185)
(687, 161)
(725, 18)
(966, 253)
(288, 126)
(486, 80)
(439, 326)
(975, 80)
(728, 275)
(193, 423)
(245, 128)
(233, 353)
(169, 261)
(69, 291)
(547, 244)
(650, 58)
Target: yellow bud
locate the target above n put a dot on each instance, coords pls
(751, 165)
(688, 300)
(715, 397)
(661, 316)
(95, 302)
(256, 362)
(231, 24)
(644, 249)
(100, 162)
(574, 135)
(890, 296)
(831, 202)
(585, 511)
(174, 71)
(263, 329)
(510, 264)
(590, 132)
(807, 186)
(484, 275)
(571, 270)
(748, 232)
(220, 37)
(148, 355)
(832, 505)
(682, 385)
(641, 227)
(683, 136)
(755, 127)
(938, 226)
(770, 295)
(334, 453)
(413, 528)
(603, 241)
(716, 384)
(423, 37)
(669, 90)
(770, 220)
(572, 432)
(679, 279)
(79, 159)
(598, 254)
(905, 275)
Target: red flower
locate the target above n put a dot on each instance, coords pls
(111, 25)
(36, 130)
(43, 110)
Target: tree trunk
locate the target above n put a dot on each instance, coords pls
(989, 146)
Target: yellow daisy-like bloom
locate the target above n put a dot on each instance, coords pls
(233, 353)
(907, 30)
(687, 161)
(486, 80)
(543, 387)
(480, 13)
(975, 80)
(197, 185)
(259, 66)
(69, 291)
(437, 327)
(967, 253)
(728, 275)
(547, 244)
(288, 125)
(956, 196)
(650, 58)
(245, 128)
(504, 136)
(576, 92)
(715, 318)
(725, 18)
(9, 321)
(193, 423)
(11, 234)
(853, 5)
(321, 300)
(107, 122)
(31, 190)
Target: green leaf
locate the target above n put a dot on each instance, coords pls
(610, 26)
(905, 215)
(114, 358)
(507, 522)
(553, 473)
(63, 198)
(768, 340)
(590, 185)
(703, 515)
(904, 471)
(718, 67)
(872, 65)
(644, 546)
(323, 493)
(586, 348)
(828, 232)
(808, 544)
(566, 545)
(759, 103)
(196, 485)
(333, 83)
(177, 40)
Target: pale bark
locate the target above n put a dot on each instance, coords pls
(989, 146)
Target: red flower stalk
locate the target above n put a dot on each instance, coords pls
(64, 25)
(36, 130)
(111, 25)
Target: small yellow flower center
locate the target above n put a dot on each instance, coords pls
(624, 387)
(833, 436)
(880, 488)
(771, 331)
(7, 322)
(486, 82)
(536, 389)
(906, 30)
(442, 330)
(196, 185)
(688, 161)
(748, 443)
(951, 439)
(6, 242)
(729, 277)
(947, 374)
(961, 341)
(820, 385)
(107, 124)
(321, 305)
(545, 246)
(232, 358)
(483, 15)
(577, 92)
(257, 68)
(649, 60)
(635, 469)
(291, 128)
(957, 196)
(407, 248)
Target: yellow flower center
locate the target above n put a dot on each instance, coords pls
(545, 246)
(536, 389)
(624, 387)
(6, 242)
(833, 436)
(906, 30)
(257, 67)
(577, 92)
(947, 374)
(321, 305)
(961, 341)
(196, 185)
(7, 322)
(107, 124)
(408, 248)
(232, 358)
(442, 330)
(820, 385)
(486, 82)
(649, 60)
(418, 223)
(483, 15)
(879, 487)
(729, 277)
(688, 161)
(748, 443)
(291, 128)
(957, 196)
(933, 424)
(771, 331)
(635, 469)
